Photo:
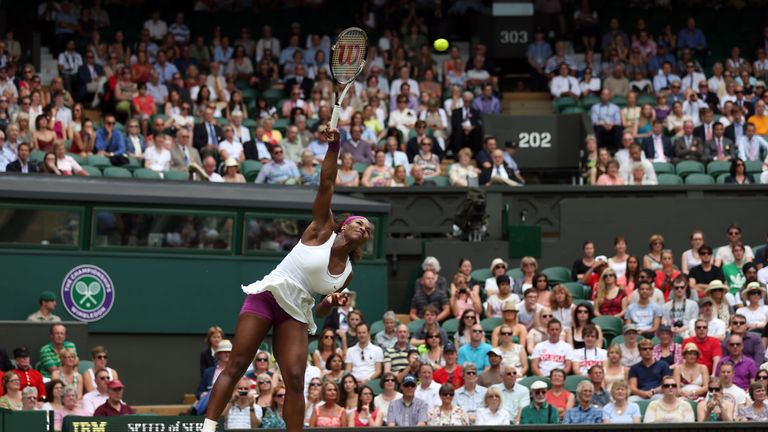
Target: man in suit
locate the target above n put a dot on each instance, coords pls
(743, 103)
(299, 79)
(688, 146)
(658, 147)
(467, 126)
(710, 98)
(182, 153)
(735, 130)
(720, 147)
(22, 164)
(88, 76)
(207, 134)
(499, 173)
(202, 393)
(705, 131)
(413, 147)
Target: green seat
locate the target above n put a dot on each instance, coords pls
(98, 161)
(415, 326)
(754, 167)
(242, 85)
(715, 168)
(272, 95)
(663, 168)
(721, 178)
(117, 172)
(609, 324)
(588, 101)
(572, 110)
(621, 101)
(439, 180)
(572, 382)
(699, 179)
(312, 347)
(37, 156)
(646, 99)
(577, 290)
(528, 381)
(481, 274)
(360, 167)
(250, 169)
(375, 385)
(669, 179)
(250, 94)
(686, 168)
(282, 124)
(83, 366)
(620, 339)
(76, 157)
(451, 325)
(491, 323)
(643, 405)
(376, 327)
(561, 103)
(146, 174)
(557, 274)
(133, 164)
(92, 171)
(250, 123)
(585, 302)
(175, 176)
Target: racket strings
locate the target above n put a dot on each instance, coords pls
(348, 54)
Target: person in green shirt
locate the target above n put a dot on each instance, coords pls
(539, 411)
(49, 354)
(734, 277)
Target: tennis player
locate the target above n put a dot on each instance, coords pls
(321, 263)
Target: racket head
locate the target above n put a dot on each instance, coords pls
(348, 55)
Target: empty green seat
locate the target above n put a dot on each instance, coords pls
(669, 179)
(415, 325)
(376, 327)
(686, 168)
(528, 381)
(721, 178)
(609, 324)
(572, 382)
(663, 168)
(146, 174)
(439, 180)
(515, 273)
(451, 325)
(481, 274)
(282, 124)
(561, 103)
(715, 168)
(572, 110)
(176, 175)
(92, 170)
(250, 169)
(621, 101)
(646, 99)
(360, 167)
(79, 159)
(588, 101)
(754, 167)
(117, 172)
(37, 156)
(699, 179)
(577, 290)
(98, 161)
(557, 274)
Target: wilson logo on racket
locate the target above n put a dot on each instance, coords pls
(347, 61)
(349, 55)
(87, 293)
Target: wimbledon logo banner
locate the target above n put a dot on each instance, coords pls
(88, 293)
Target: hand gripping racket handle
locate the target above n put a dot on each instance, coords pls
(335, 116)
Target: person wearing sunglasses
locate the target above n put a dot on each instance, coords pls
(679, 309)
(446, 414)
(389, 393)
(754, 309)
(751, 342)
(97, 397)
(715, 408)
(669, 408)
(646, 377)
(470, 396)
(701, 275)
(757, 411)
(409, 410)
(241, 411)
(552, 353)
(744, 368)
(725, 253)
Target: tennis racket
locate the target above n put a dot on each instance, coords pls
(348, 56)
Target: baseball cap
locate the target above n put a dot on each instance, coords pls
(409, 379)
(629, 327)
(47, 296)
(706, 300)
(539, 385)
(496, 351)
(449, 347)
(115, 384)
(664, 328)
(20, 352)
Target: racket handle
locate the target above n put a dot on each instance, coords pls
(335, 116)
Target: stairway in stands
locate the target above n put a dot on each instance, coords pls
(48, 65)
(526, 103)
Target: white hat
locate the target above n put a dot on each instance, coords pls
(602, 258)
(539, 385)
(224, 346)
(497, 262)
(231, 162)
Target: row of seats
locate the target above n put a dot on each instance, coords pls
(567, 104)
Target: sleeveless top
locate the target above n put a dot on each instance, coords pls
(301, 275)
(609, 379)
(347, 177)
(655, 264)
(329, 421)
(692, 261)
(363, 423)
(612, 306)
(558, 401)
(577, 344)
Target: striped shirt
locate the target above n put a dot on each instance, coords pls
(50, 358)
(397, 358)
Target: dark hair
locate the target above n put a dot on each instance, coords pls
(575, 315)
(537, 276)
(705, 247)
(371, 405)
(362, 323)
(589, 329)
(650, 273)
(462, 327)
(331, 357)
(633, 276)
(556, 370)
(49, 389)
(502, 279)
(358, 253)
(386, 375)
(431, 308)
(343, 393)
(554, 321)
(735, 161)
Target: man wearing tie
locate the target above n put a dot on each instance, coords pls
(664, 79)
(751, 145)
(207, 134)
(658, 147)
(692, 77)
(720, 147)
(498, 173)
(704, 131)
(688, 147)
(182, 153)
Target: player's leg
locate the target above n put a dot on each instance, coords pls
(290, 347)
(251, 330)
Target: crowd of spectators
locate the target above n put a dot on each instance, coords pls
(667, 96)
(181, 99)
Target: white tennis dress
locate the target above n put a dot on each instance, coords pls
(301, 275)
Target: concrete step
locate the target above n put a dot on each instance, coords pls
(520, 103)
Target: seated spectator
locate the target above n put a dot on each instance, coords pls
(349, 392)
(364, 360)
(558, 396)
(23, 164)
(387, 337)
(329, 413)
(679, 310)
(366, 414)
(590, 354)
(462, 173)
(667, 349)
(69, 406)
(644, 314)
(612, 177)
(408, 411)
(621, 410)
(645, 377)
(426, 159)
(510, 148)
(378, 174)
(580, 320)
(241, 411)
(279, 170)
(714, 406)
(584, 412)
(492, 413)
(692, 377)
(514, 397)
(499, 172)
(669, 408)
(744, 368)
(635, 161)
(429, 294)
(630, 354)
(207, 380)
(476, 351)
(666, 274)
(157, 157)
(47, 302)
(756, 312)
(402, 118)
(49, 354)
(487, 103)
(757, 410)
(552, 353)
(676, 118)
(617, 83)
(751, 146)
(498, 267)
(658, 147)
(12, 392)
(446, 414)
(702, 275)
(688, 146)
(431, 326)
(563, 84)
(334, 368)
(492, 374)
(450, 372)
(114, 406)
(738, 173)
(470, 396)
(389, 393)
(65, 163)
(109, 141)
(497, 301)
(67, 373)
(396, 356)
(232, 171)
(462, 297)
(98, 396)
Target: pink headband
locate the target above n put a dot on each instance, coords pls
(351, 219)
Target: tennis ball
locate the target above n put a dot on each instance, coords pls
(441, 44)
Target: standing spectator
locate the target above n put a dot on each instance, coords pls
(584, 412)
(513, 397)
(68, 64)
(669, 408)
(364, 360)
(49, 354)
(476, 351)
(408, 411)
(466, 125)
(470, 396)
(114, 406)
(606, 120)
(47, 302)
(538, 52)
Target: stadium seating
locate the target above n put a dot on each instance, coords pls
(92, 171)
(146, 174)
(576, 289)
(685, 168)
(175, 175)
(715, 168)
(663, 168)
(117, 172)
(669, 179)
(557, 275)
(699, 179)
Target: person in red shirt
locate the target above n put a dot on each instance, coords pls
(27, 375)
(114, 406)
(451, 372)
(709, 347)
(144, 107)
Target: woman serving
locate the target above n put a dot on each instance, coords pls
(283, 300)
